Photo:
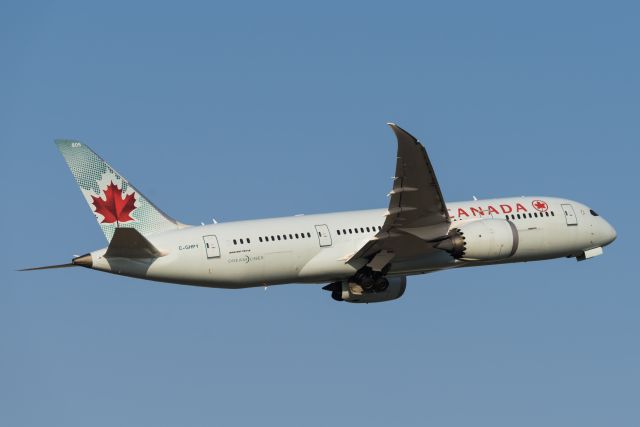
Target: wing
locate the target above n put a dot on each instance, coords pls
(417, 214)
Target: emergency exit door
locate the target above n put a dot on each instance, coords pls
(211, 246)
(324, 236)
(569, 215)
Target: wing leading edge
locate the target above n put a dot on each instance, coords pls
(417, 214)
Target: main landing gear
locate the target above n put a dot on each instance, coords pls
(364, 282)
(371, 281)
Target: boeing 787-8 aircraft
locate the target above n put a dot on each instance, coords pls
(364, 256)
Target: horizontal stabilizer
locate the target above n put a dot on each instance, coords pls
(48, 267)
(79, 261)
(130, 243)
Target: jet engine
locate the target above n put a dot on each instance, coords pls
(482, 240)
(350, 291)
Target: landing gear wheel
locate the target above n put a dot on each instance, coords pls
(368, 283)
(371, 281)
(380, 284)
(365, 279)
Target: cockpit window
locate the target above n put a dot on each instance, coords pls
(594, 213)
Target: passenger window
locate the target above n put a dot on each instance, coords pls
(284, 237)
(278, 236)
(234, 242)
(350, 231)
(344, 231)
(260, 239)
(248, 241)
(367, 229)
(546, 213)
(552, 214)
(308, 234)
(355, 230)
(291, 236)
(241, 241)
(518, 216)
(361, 230)
(338, 232)
(297, 237)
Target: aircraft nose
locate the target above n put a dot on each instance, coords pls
(608, 233)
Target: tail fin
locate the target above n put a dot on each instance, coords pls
(114, 201)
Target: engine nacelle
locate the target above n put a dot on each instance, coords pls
(352, 292)
(482, 240)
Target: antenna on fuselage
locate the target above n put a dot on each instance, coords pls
(475, 198)
(214, 220)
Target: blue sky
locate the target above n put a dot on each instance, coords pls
(249, 110)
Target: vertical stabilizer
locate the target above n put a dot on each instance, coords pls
(114, 202)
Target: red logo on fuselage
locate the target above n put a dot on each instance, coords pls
(540, 206)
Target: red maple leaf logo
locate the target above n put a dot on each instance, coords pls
(113, 207)
(539, 205)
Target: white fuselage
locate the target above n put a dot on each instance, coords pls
(315, 248)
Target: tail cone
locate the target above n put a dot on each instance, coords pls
(83, 261)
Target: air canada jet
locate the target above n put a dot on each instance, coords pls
(362, 256)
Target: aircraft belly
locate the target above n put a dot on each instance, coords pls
(549, 241)
(259, 268)
(533, 242)
(436, 261)
(328, 264)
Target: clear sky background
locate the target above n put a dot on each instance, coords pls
(239, 110)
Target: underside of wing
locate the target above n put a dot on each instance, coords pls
(416, 200)
(417, 215)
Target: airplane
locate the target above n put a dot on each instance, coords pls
(365, 256)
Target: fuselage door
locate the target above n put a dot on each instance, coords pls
(569, 215)
(324, 236)
(211, 245)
